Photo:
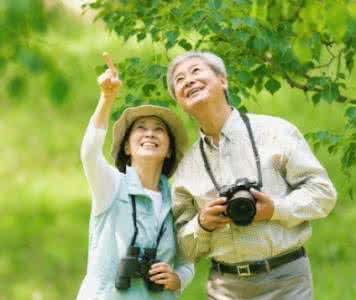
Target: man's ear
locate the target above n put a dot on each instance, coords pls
(223, 81)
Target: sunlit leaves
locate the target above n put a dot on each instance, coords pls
(302, 49)
(21, 24)
(336, 17)
(351, 115)
(308, 45)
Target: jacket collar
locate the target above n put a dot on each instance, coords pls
(136, 188)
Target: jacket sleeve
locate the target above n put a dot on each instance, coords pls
(193, 241)
(185, 271)
(312, 194)
(102, 177)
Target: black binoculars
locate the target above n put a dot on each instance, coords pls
(134, 265)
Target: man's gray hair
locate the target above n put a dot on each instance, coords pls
(212, 60)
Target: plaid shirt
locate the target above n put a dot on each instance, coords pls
(298, 185)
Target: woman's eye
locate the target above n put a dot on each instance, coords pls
(179, 79)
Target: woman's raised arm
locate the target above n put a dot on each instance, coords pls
(102, 177)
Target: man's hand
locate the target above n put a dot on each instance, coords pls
(264, 206)
(211, 218)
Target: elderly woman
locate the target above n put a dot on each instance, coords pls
(132, 245)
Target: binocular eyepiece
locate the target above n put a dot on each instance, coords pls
(135, 265)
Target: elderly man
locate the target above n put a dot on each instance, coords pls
(254, 235)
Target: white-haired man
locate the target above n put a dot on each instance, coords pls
(255, 235)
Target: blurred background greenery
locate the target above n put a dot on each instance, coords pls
(48, 93)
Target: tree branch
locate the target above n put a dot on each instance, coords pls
(294, 84)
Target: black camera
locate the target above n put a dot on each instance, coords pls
(241, 205)
(134, 265)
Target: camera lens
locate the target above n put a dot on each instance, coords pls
(242, 209)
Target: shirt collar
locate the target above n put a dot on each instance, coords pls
(229, 130)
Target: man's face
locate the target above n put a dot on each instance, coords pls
(195, 84)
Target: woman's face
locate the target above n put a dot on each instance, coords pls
(148, 139)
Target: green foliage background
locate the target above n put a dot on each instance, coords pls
(49, 59)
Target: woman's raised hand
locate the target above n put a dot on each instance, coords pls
(109, 81)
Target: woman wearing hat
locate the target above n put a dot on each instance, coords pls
(132, 245)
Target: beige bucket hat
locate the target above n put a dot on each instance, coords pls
(131, 114)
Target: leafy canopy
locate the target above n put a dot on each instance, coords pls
(308, 44)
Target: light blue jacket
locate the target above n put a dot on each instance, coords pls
(110, 234)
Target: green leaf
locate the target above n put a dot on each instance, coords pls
(197, 17)
(95, 5)
(272, 85)
(351, 193)
(176, 12)
(336, 17)
(260, 45)
(148, 88)
(235, 100)
(141, 36)
(351, 114)
(171, 38)
(17, 86)
(214, 4)
(302, 50)
(330, 93)
(155, 71)
(349, 59)
(316, 98)
(185, 44)
(349, 157)
(245, 78)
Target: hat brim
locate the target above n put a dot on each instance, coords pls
(131, 114)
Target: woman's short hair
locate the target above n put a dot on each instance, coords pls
(212, 60)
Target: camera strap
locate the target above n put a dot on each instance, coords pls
(246, 121)
(134, 219)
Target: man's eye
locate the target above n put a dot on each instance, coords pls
(195, 70)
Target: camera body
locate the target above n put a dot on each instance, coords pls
(135, 265)
(241, 205)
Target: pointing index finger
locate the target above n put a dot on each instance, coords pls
(109, 62)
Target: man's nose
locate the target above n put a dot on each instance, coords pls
(189, 81)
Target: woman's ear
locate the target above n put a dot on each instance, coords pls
(127, 148)
(169, 153)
